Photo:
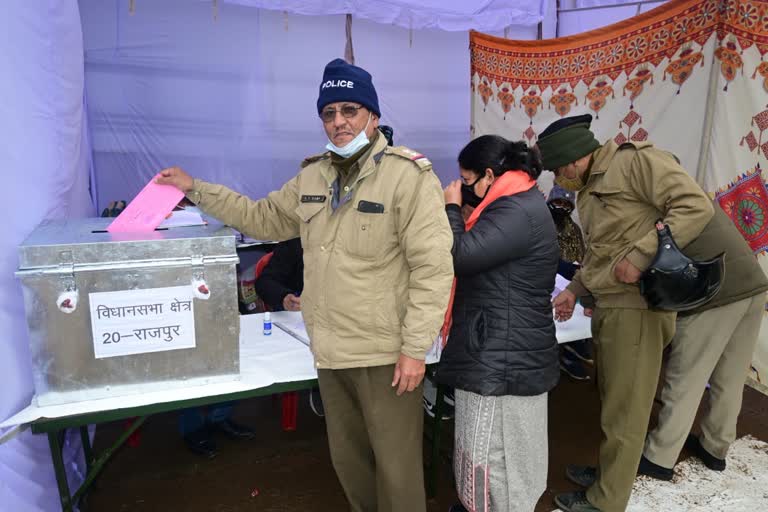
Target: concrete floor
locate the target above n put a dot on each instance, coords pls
(292, 470)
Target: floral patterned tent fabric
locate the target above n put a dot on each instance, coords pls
(689, 76)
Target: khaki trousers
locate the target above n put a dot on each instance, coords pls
(714, 346)
(628, 349)
(375, 438)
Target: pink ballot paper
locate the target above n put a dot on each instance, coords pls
(148, 209)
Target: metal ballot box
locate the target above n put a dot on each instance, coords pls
(119, 314)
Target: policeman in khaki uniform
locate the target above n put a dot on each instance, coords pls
(377, 277)
(713, 344)
(622, 191)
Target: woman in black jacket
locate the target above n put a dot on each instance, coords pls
(502, 354)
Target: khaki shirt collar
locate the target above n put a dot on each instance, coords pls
(368, 162)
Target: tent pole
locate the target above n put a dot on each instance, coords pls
(349, 51)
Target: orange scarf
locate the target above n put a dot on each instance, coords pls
(508, 184)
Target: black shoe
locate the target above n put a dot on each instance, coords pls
(234, 431)
(458, 508)
(581, 349)
(573, 367)
(581, 475)
(201, 443)
(693, 445)
(652, 470)
(575, 501)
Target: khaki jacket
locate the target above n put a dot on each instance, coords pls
(376, 283)
(743, 276)
(628, 189)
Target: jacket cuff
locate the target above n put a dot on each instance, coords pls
(577, 288)
(453, 207)
(196, 193)
(414, 353)
(639, 259)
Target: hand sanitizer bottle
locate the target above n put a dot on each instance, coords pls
(267, 324)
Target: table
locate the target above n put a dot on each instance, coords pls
(269, 365)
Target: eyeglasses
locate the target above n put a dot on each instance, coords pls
(348, 111)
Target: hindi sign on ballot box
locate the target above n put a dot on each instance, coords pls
(114, 314)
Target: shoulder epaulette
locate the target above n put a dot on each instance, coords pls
(417, 158)
(315, 158)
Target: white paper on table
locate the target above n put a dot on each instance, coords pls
(293, 323)
(287, 357)
(183, 218)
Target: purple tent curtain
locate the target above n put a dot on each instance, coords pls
(231, 98)
(449, 15)
(45, 170)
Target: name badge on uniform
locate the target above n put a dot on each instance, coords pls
(312, 199)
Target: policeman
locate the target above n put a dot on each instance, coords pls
(377, 277)
(622, 191)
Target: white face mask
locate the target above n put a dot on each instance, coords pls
(353, 146)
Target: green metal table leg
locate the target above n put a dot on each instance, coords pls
(58, 466)
(98, 464)
(85, 440)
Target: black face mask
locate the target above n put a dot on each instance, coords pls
(468, 195)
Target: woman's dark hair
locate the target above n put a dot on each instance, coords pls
(500, 155)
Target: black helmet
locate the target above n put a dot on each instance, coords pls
(674, 282)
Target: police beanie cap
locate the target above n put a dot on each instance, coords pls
(345, 82)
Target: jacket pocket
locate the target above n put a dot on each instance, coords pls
(366, 234)
(309, 229)
(606, 193)
(477, 328)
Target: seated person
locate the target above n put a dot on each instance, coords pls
(282, 280)
(571, 242)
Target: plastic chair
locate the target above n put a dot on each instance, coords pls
(262, 263)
